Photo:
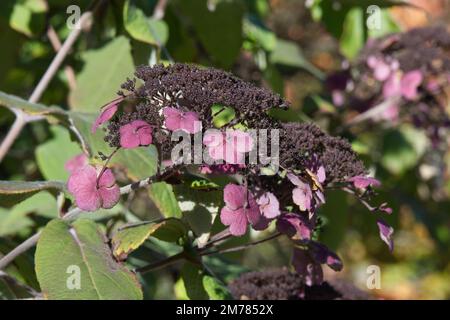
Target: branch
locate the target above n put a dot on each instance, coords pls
(182, 255)
(373, 112)
(56, 44)
(75, 214)
(243, 247)
(21, 117)
(162, 263)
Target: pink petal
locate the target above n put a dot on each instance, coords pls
(217, 153)
(128, 138)
(410, 83)
(380, 68)
(109, 196)
(237, 221)
(252, 211)
(227, 216)
(79, 179)
(302, 197)
(239, 140)
(321, 174)
(323, 255)
(294, 226)
(190, 123)
(234, 196)
(107, 112)
(391, 87)
(135, 134)
(386, 232)
(338, 98)
(234, 157)
(294, 179)
(172, 118)
(145, 135)
(83, 185)
(107, 179)
(269, 205)
(76, 163)
(363, 182)
(213, 138)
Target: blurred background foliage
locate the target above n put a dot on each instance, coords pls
(286, 45)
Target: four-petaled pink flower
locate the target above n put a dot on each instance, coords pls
(107, 112)
(135, 134)
(363, 182)
(76, 163)
(230, 146)
(179, 120)
(406, 85)
(240, 209)
(269, 205)
(90, 194)
(302, 194)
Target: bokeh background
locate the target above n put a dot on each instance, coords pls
(289, 46)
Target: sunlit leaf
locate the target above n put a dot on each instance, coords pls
(104, 70)
(143, 28)
(12, 192)
(76, 263)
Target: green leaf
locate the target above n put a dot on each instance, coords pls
(130, 237)
(216, 289)
(288, 53)
(13, 102)
(12, 192)
(353, 37)
(52, 155)
(143, 28)
(164, 198)
(27, 16)
(222, 117)
(192, 277)
(257, 32)
(387, 25)
(104, 71)
(138, 163)
(220, 31)
(402, 149)
(64, 253)
(13, 221)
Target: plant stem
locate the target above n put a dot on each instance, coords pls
(162, 263)
(243, 247)
(21, 118)
(12, 135)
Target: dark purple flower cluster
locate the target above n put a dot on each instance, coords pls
(180, 98)
(280, 284)
(406, 76)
